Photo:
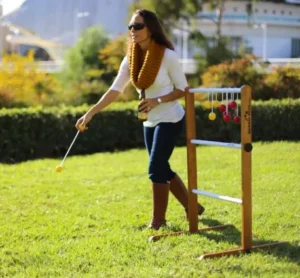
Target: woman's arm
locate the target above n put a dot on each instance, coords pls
(109, 97)
(147, 104)
(176, 94)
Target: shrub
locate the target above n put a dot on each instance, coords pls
(47, 132)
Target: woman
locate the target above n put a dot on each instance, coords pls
(153, 68)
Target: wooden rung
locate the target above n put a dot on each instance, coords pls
(220, 197)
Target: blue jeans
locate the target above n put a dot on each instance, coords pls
(160, 142)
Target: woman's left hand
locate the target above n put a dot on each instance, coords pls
(147, 104)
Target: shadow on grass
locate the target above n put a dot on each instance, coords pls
(232, 235)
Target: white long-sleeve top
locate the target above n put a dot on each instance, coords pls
(170, 75)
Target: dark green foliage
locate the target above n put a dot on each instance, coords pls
(85, 77)
(83, 56)
(34, 133)
(218, 53)
(37, 132)
(281, 117)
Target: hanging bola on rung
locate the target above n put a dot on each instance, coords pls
(232, 104)
(222, 106)
(226, 114)
(207, 104)
(212, 114)
(237, 118)
(215, 102)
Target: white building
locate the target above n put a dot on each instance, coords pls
(272, 32)
(277, 26)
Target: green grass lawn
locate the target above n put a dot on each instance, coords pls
(90, 220)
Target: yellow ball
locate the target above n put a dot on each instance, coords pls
(212, 116)
(216, 104)
(82, 127)
(207, 104)
(58, 169)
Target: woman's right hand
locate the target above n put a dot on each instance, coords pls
(83, 121)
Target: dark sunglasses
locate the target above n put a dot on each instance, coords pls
(136, 26)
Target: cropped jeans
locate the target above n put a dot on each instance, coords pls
(160, 142)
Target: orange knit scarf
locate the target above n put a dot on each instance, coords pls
(143, 74)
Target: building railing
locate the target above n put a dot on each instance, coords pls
(285, 61)
(189, 65)
(46, 66)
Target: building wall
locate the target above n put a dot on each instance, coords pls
(1, 33)
(282, 21)
(4, 45)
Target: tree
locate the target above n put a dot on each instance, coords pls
(112, 56)
(113, 53)
(85, 77)
(83, 56)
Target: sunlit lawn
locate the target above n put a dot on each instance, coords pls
(90, 220)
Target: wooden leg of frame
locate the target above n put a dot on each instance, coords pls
(219, 227)
(271, 244)
(222, 253)
(157, 237)
(238, 250)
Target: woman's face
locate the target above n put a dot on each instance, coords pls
(137, 29)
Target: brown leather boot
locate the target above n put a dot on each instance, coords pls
(180, 192)
(160, 193)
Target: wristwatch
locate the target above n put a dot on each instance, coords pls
(159, 100)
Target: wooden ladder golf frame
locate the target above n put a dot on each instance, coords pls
(246, 171)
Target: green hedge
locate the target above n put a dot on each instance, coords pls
(47, 132)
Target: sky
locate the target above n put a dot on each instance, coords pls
(10, 5)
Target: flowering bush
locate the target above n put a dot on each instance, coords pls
(21, 84)
(280, 82)
(236, 73)
(284, 82)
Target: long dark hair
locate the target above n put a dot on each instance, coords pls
(152, 23)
